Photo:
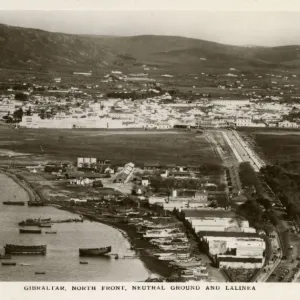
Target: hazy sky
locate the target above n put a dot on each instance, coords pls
(268, 28)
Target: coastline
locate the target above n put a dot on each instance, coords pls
(138, 244)
(129, 232)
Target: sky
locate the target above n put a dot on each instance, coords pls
(270, 25)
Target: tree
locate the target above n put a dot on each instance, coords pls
(251, 211)
(291, 210)
(18, 115)
(21, 96)
(265, 203)
(42, 114)
(28, 112)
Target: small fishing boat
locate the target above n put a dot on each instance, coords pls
(21, 249)
(83, 262)
(37, 231)
(8, 263)
(45, 225)
(94, 251)
(25, 265)
(14, 203)
(39, 273)
(51, 232)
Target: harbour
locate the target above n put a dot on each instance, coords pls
(62, 257)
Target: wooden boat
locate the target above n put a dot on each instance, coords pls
(8, 263)
(51, 232)
(39, 273)
(14, 203)
(35, 203)
(21, 249)
(94, 251)
(38, 231)
(25, 265)
(83, 262)
(45, 225)
(34, 222)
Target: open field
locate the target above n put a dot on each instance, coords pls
(178, 147)
(277, 147)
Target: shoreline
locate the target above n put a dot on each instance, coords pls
(138, 244)
(129, 232)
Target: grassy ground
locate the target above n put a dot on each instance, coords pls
(278, 147)
(118, 146)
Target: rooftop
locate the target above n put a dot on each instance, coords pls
(239, 259)
(227, 234)
(208, 213)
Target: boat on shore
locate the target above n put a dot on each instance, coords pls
(67, 221)
(39, 273)
(25, 265)
(36, 231)
(173, 247)
(14, 203)
(21, 249)
(94, 251)
(35, 203)
(51, 232)
(164, 233)
(83, 262)
(187, 263)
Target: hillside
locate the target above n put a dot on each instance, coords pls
(24, 48)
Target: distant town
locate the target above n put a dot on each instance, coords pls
(137, 101)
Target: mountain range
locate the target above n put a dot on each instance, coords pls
(26, 48)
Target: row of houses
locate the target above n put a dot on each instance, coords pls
(180, 199)
(229, 241)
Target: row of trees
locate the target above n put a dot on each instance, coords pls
(286, 187)
(252, 209)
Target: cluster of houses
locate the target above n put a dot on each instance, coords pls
(229, 241)
(75, 108)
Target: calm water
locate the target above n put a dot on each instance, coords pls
(62, 261)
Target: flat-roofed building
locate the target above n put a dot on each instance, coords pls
(240, 262)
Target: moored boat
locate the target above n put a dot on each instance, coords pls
(45, 225)
(14, 203)
(94, 251)
(30, 222)
(83, 262)
(39, 273)
(51, 232)
(37, 231)
(21, 249)
(35, 222)
(8, 263)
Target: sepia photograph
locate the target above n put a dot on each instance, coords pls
(149, 145)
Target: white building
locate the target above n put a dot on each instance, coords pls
(287, 124)
(240, 262)
(231, 103)
(216, 224)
